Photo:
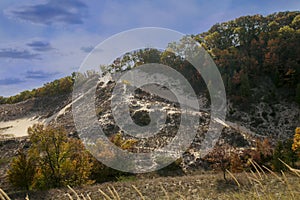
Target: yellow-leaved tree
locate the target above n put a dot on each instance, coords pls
(296, 144)
(53, 160)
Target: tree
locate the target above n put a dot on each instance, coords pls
(61, 161)
(22, 170)
(296, 22)
(296, 141)
(259, 46)
(53, 160)
(2, 100)
(150, 55)
(221, 158)
(245, 85)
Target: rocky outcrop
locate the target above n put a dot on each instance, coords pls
(244, 126)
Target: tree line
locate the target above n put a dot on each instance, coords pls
(54, 88)
(246, 50)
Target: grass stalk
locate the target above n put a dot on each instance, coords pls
(74, 192)
(139, 192)
(104, 194)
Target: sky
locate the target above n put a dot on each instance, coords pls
(43, 40)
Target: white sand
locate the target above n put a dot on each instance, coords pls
(18, 127)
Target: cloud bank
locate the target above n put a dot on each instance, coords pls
(40, 46)
(18, 54)
(52, 12)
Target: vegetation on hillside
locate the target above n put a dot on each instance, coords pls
(261, 183)
(253, 47)
(227, 158)
(53, 160)
(296, 141)
(56, 160)
(246, 50)
(54, 88)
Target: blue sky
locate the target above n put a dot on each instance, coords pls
(48, 39)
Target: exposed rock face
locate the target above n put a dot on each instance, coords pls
(267, 112)
(141, 105)
(277, 119)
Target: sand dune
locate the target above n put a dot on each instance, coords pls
(18, 127)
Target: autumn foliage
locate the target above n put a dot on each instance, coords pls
(22, 171)
(296, 142)
(54, 88)
(53, 160)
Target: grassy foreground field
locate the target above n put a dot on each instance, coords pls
(263, 184)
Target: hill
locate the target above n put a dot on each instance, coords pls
(258, 58)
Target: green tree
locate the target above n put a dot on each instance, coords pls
(2, 100)
(284, 152)
(296, 22)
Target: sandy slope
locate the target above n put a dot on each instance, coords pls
(18, 127)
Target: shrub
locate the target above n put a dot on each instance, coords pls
(53, 159)
(296, 141)
(101, 172)
(220, 158)
(236, 164)
(22, 170)
(284, 152)
(263, 153)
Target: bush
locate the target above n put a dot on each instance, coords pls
(54, 160)
(263, 153)
(22, 170)
(102, 173)
(284, 152)
(296, 141)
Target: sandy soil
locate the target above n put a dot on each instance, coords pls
(18, 127)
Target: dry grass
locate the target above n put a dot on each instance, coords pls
(261, 184)
(270, 186)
